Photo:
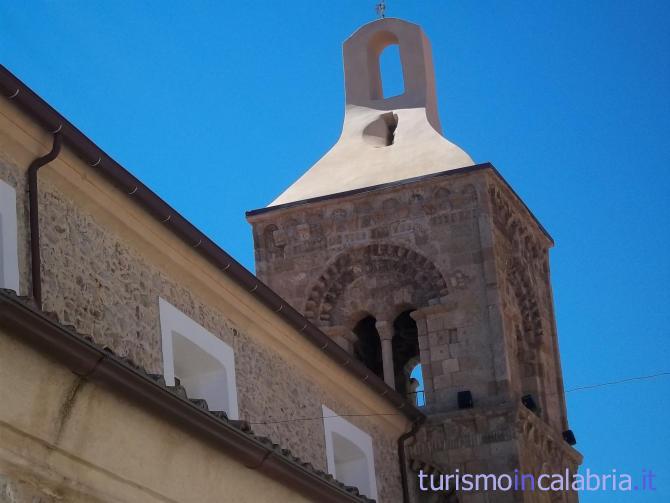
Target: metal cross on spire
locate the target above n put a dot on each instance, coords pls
(381, 9)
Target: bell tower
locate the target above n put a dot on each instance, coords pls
(417, 260)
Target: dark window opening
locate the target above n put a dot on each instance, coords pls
(391, 121)
(368, 346)
(405, 351)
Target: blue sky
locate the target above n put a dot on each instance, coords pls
(219, 106)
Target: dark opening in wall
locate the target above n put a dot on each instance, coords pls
(381, 131)
(368, 347)
(405, 350)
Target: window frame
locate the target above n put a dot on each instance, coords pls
(9, 238)
(172, 320)
(333, 423)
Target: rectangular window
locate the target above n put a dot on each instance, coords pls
(9, 255)
(203, 363)
(349, 454)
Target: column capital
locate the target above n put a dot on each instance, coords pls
(384, 329)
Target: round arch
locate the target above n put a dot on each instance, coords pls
(376, 278)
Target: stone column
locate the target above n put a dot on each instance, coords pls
(385, 331)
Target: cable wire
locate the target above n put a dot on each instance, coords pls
(578, 388)
(612, 383)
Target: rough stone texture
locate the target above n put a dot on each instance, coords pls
(467, 257)
(103, 287)
(336, 259)
(420, 246)
(496, 440)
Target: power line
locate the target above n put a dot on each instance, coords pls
(321, 417)
(612, 383)
(578, 388)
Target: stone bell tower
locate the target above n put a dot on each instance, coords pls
(408, 253)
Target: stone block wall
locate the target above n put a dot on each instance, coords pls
(524, 297)
(304, 252)
(464, 253)
(427, 245)
(461, 250)
(499, 440)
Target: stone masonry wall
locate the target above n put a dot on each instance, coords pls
(465, 254)
(526, 304)
(496, 440)
(460, 249)
(422, 246)
(105, 288)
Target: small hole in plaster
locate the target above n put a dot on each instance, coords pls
(381, 131)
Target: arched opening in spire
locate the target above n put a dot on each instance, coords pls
(390, 69)
(385, 68)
